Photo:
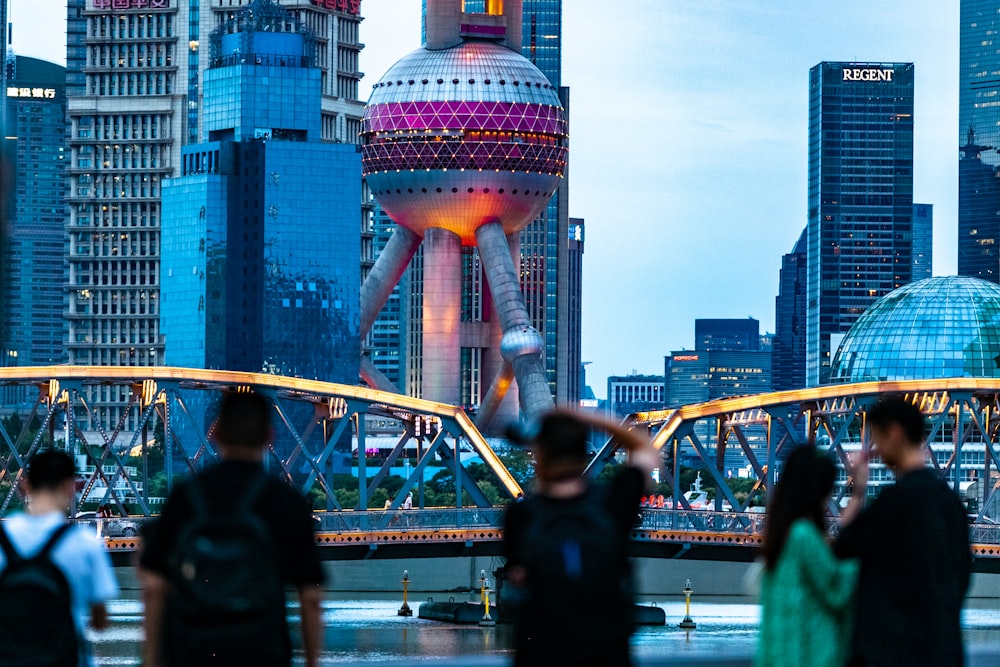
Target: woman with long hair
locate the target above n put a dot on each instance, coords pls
(806, 592)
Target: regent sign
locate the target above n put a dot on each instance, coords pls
(866, 74)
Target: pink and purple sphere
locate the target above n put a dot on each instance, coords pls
(462, 137)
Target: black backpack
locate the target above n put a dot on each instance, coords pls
(576, 558)
(36, 615)
(228, 599)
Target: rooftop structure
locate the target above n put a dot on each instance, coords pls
(934, 328)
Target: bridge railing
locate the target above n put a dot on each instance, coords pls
(412, 519)
(743, 523)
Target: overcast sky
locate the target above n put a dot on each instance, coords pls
(688, 144)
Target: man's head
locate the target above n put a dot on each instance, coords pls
(49, 470)
(244, 422)
(50, 481)
(560, 446)
(897, 427)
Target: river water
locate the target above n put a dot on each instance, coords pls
(369, 631)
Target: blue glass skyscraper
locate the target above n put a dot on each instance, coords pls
(788, 356)
(32, 260)
(860, 217)
(260, 247)
(978, 140)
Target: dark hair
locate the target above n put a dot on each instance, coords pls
(244, 420)
(806, 480)
(559, 440)
(49, 469)
(897, 410)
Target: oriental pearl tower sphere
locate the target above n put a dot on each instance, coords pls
(463, 144)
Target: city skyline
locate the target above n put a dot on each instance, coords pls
(679, 72)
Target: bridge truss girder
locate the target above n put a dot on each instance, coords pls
(963, 416)
(312, 419)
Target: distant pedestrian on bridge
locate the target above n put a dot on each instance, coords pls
(913, 542)
(566, 547)
(215, 565)
(806, 592)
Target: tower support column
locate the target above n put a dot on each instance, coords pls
(442, 315)
(385, 274)
(521, 345)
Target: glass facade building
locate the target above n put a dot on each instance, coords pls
(979, 139)
(727, 334)
(923, 241)
(860, 197)
(933, 328)
(135, 71)
(704, 375)
(387, 339)
(788, 361)
(260, 250)
(728, 360)
(32, 271)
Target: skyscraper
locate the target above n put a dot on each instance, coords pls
(727, 361)
(134, 74)
(923, 241)
(31, 264)
(260, 254)
(978, 140)
(788, 356)
(727, 334)
(860, 213)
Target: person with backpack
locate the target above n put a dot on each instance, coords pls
(214, 567)
(566, 546)
(54, 575)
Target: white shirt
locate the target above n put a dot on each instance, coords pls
(81, 557)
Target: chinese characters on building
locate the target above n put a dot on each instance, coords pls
(349, 6)
(37, 93)
(130, 4)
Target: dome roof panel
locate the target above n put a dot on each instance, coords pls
(933, 328)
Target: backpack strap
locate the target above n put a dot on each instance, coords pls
(54, 539)
(14, 556)
(8, 548)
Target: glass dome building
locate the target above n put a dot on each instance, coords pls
(934, 328)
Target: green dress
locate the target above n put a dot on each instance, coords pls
(806, 603)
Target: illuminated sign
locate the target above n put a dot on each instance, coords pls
(685, 357)
(130, 4)
(866, 74)
(34, 93)
(349, 6)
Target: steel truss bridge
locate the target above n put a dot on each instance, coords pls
(317, 423)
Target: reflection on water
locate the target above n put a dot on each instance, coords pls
(370, 631)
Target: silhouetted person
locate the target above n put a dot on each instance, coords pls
(806, 592)
(45, 619)
(566, 547)
(215, 565)
(913, 542)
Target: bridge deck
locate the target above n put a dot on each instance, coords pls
(478, 532)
